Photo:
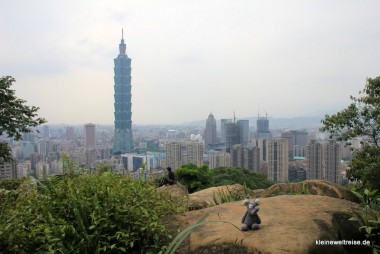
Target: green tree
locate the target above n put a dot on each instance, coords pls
(232, 175)
(194, 178)
(15, 117)
(361, 119)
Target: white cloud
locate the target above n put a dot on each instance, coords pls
(189, 58)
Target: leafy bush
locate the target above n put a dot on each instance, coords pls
(370, 202)
(10, 184)
(99, 213)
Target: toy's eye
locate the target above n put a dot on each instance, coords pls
(250, 205)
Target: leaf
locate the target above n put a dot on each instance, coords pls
(357, 194)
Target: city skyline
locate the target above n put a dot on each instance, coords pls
(284, 58)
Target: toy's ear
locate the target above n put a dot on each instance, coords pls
(245, 202)
(257, 201)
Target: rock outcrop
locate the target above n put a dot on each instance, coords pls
(290, 224)
(215, 195)
(314, 187)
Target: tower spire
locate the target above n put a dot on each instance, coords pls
(122, 45)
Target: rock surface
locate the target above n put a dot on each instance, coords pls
(314, 187)
(212, 196)
(290, 224)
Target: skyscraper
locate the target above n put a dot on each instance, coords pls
(244, 132)
(179, 153)
(89, 135)
(70, 133)
(262, 124)
(323, 161)
(332, 171)
(223, 129)
(210, 131)
(278, 160)
(245, 157)
(123, 138)
(315, 159)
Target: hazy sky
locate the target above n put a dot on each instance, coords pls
(189, 58)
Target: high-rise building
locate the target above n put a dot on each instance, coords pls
(223, 129)
(8, 170)
(70, 133)
(219, 159)
(46, 131)
(236, 133)
(173, 155)
(246, 157)
(332, 171)
(323, 161)
(314, 162)
(262, 125)
(297, 140)
(89, 135)
(210, 131)
(123, 138)
(278, 160)
(243, 126)
(179, 153)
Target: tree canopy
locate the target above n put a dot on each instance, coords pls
(16, 118)
(361, 119)
(196, 179)
(232, 175)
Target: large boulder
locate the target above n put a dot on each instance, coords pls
(290, 224)
(177, 193)
(314, 187)
(217, 195)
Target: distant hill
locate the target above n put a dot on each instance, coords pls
(291, 123)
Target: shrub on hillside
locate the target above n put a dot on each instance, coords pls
(84, 214)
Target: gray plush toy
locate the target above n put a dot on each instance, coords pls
(251, 219)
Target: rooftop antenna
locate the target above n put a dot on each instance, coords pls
(234, 116)
(122, 33)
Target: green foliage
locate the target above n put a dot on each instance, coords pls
(194, 178)
(15, 117)
(361, 119)
(10, 184)
(305, 189)
(370, 202)
(98, 213)
(232, 175)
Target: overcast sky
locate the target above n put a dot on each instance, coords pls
(189, 58)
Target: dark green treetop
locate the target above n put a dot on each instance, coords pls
(15, 117)
(361, 119)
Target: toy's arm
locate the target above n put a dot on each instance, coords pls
(255, 210)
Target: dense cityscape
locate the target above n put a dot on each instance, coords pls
(190, 127)
(283, 154)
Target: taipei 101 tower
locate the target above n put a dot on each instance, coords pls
(123, 138)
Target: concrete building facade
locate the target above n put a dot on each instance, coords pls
(278, 160)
